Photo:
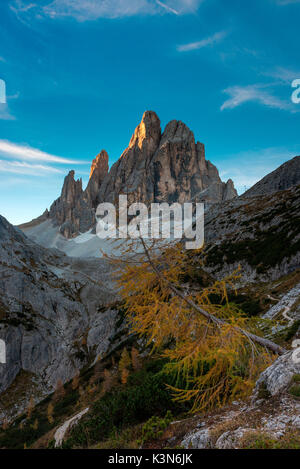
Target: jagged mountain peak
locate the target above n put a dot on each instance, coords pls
(99, 169)
(176, 131)
(100, 163)
(147, 133)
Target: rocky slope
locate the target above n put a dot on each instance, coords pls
(156, 167)
(262, 234)
(54, 314)
(284, 177)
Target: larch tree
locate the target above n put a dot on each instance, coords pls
(210, 346)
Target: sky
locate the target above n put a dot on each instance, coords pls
(80, 73)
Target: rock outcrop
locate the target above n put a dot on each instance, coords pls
(99, 170)
(278, 376)
(70, 211)
(284, 177)
(156, 167)
(54, 312)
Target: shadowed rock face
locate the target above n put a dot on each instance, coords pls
(284, 177)
(49, 311)
(72, 212)
(155, 167)
(99, 170)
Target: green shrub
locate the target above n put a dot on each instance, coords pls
(260, 440)
(154, 428)
(145, 395)
(295, 390)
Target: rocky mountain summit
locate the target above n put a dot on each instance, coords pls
(284, 177)
(156, 166)
(164, 167)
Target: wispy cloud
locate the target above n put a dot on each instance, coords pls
(287, 2)
(26, 153)
(18, 167)
(285, 75)
(167, 8)
(209, 41)
(89, 10)
(5, 113)
(253, 93)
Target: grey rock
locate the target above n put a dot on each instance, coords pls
(197, 440)
(71, 211)
(278, 376)
(99, 170)
(54, 311)
(231, 439)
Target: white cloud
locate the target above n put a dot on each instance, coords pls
(5, 113)
(18, 167)
(253, 93)
(209, 41)
(26, 153)
(255, 165)
(285, 75)
(166, 7)
(88, 10)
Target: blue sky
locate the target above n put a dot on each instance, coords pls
(80, 73)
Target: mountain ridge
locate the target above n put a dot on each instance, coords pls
(168, 166)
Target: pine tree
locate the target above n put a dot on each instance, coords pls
(135, 359)
(35, 425)
(125, 360)
(124, 376)
(50, 410)
(75, 381)
(107, 382)
(59, 391)
(30, 407)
